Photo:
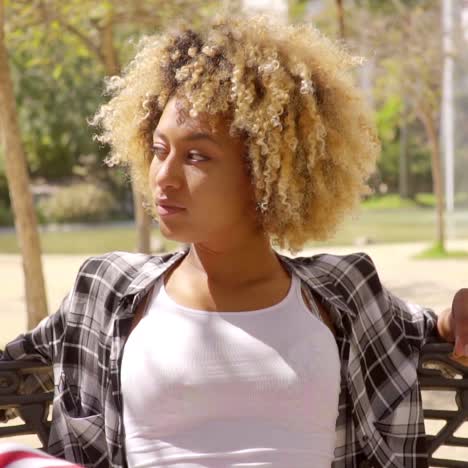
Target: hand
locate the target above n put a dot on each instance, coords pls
(459, 318)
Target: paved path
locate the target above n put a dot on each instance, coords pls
(428, 282)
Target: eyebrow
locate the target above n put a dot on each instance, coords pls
(191, 137)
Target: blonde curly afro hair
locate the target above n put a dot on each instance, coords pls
(311, 139)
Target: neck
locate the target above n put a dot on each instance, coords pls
(252, 260)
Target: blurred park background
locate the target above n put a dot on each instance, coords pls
(59, 202)
(58, 53)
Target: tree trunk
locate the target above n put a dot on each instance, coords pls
(341, 22)
(432, 135)
(20, 193)
(403, 183)
(107, 54)
(143, 223)
(112, 67)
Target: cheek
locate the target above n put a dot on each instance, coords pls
(230, 193)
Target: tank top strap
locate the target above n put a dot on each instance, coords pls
(151, 296)
(306, 299)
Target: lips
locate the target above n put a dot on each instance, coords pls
(168, 209)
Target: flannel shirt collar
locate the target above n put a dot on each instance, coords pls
(318, 280)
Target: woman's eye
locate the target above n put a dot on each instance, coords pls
(158, 151)
(197, 157)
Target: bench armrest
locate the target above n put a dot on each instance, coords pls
(438, 371)
(23, 394)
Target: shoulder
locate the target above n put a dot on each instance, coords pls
(353, 267)
(353, 277)
(113, 263)
(119, 263)
(101, 283)
(356, 270)
(113, 272)
(111, 268)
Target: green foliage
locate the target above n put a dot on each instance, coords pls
(390, 201)
(59, 56)
(389, 118)
(429, 199)
(54, 101)
(297, 9)
(6, 215)
(78, 203)
(426, 199)
(4, 194)
(393, 201)
(439, 252)
(389, 7)
(59, 53)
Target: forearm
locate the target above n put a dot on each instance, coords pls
(446, 326)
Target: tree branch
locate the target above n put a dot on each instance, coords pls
(54, 15)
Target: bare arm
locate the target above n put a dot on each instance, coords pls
(445, 325)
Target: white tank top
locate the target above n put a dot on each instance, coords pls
(230, 389)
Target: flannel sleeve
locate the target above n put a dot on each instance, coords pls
(418, 322)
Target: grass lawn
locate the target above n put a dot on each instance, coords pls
(421, 200)
(98, 239)
(397, 225)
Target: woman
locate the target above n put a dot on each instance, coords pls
(241, 135)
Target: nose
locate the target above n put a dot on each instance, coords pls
(168, 173)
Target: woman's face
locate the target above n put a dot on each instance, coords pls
(200, 170)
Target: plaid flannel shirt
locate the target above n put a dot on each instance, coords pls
(380, 422)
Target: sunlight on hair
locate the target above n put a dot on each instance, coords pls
(311, 138)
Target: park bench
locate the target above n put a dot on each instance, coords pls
(437, 373)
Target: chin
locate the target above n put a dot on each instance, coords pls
(176, 235)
